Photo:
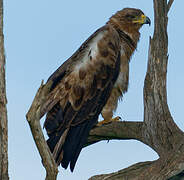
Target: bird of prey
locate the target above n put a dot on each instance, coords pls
(91, 82)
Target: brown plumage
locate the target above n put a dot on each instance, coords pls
(90, 82)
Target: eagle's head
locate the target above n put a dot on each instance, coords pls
(129, 20)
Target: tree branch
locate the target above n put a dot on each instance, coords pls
(33, 118)
(161, 133)
(116, 130)
(3, 109)
(129, 173)
(163, 168)
(169, 5)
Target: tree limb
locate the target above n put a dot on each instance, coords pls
(3, 109)
(169, 5)
(161, 169)
(116, 130)
(33, 118)
(129, 173)
(161, 132)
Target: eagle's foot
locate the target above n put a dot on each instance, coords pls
(107, 121)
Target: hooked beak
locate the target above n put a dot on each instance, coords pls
(147, 21)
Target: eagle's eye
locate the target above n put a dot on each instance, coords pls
(130, 16)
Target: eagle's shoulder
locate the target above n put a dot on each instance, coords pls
(86, 71)
(88, 49)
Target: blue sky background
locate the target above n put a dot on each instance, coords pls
(39, 37)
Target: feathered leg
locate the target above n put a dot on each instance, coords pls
(109, 108)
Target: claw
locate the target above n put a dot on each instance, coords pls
(116, 119)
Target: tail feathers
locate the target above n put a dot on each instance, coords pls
(76, 138)
(84, 135)
(52, 141)
(54, 119)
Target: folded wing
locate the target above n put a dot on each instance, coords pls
(80, 89)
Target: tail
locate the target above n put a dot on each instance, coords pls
(74, 142)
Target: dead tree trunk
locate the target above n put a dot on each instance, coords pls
(158, 129)
(3, 110)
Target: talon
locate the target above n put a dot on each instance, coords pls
(105, 121)
(118, 118)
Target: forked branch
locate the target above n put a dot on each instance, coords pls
(169, 5)
(33, 118)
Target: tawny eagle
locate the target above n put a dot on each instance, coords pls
(90, 82)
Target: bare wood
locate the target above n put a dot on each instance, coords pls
(116, 130)
(3, 109)
(161, 133)
(169, 5)
(33, 118)
(161, 169)
(124, 174)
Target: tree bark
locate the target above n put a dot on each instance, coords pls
(3, 110)
(33, 118)
(158, 129)
(116, 130)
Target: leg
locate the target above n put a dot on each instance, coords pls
(108, 119)
(107, 112)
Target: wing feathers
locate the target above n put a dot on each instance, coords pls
(81, 87)
(55, 117)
